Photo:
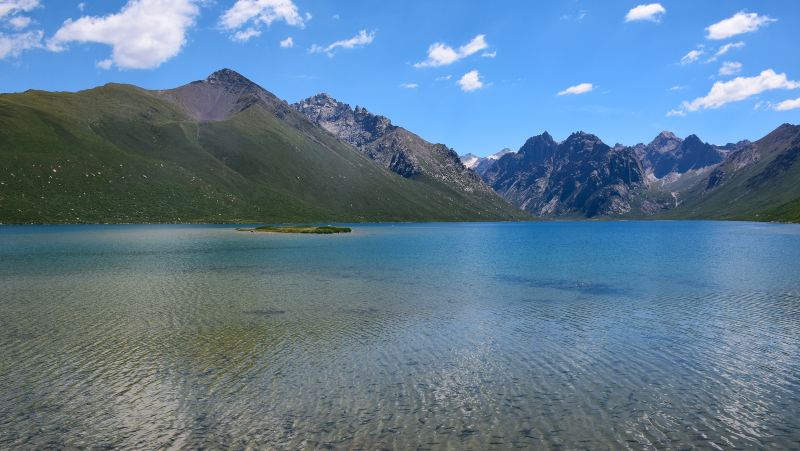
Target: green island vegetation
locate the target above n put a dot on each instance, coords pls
(320, 230)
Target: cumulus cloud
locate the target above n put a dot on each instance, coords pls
(650, 11)
(11, 7)
(409, 85)
(13, 45)
(441, 54)
(676, 113)
(730, 68)
(692, 56)
(361, 39)
(740, 88)
(246, 17)
(581, 88)
(739, 23)
(470, 81)
(143, 35)
(287, 43)
(787, 105)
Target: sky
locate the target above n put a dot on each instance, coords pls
(477, 76)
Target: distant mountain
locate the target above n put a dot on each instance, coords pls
(584, 177)
(221, 149)
(482, 164)
(581, 176)
(757, 181)
(470, 160)
(401, 151)
(668, 154)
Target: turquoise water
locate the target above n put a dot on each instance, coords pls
(542, 335)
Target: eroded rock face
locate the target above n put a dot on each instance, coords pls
(393, 147)
(668, 154)
(580, 176)
(355, 126)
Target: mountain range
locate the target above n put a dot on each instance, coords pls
(224, 149)
(668, 178)
(221, 149)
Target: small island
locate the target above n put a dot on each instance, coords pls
(320, 230)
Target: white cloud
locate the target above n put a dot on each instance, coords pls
(252, 14)
(677, 88)
(287, 43)
(730, 68)
(470, 81)
(650, 11)
(11, 7)
(674, 113)
(361, 39)
(143, 35)
(409, 85)
(444, 77)
(81, 6)
(787, 105)
(739, 23)
(19, 22)
(246, 34)
(740, 88)
(581, 88)
(727, 47)
(105, 64)
(441, 54)
(489, 54)
(692, 56)
(13, 45)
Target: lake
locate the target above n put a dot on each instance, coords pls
(486, 336)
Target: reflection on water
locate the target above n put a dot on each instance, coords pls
(573, 335)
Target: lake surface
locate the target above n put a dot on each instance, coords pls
(484, 336)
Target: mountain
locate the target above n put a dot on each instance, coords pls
(757, 181)
(470, 161)
(581, 176)
(221, 149)
(401, 151)
(667, 178)
(668, 154)
(482, 164)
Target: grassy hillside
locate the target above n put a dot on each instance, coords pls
(122, 154)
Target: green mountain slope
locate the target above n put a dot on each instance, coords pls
(759, 182)
(119, 153)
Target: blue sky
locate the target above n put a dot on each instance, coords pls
(492, 78)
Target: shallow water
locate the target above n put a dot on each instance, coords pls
(545, 335)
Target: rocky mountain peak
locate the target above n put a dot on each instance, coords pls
(665, 142)
(356, 126)
(222, 95)
(672, 155)
(501, 154)
(230, 78)
(538, 148)
(584, 142)
(666, 135)
(692, 140)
